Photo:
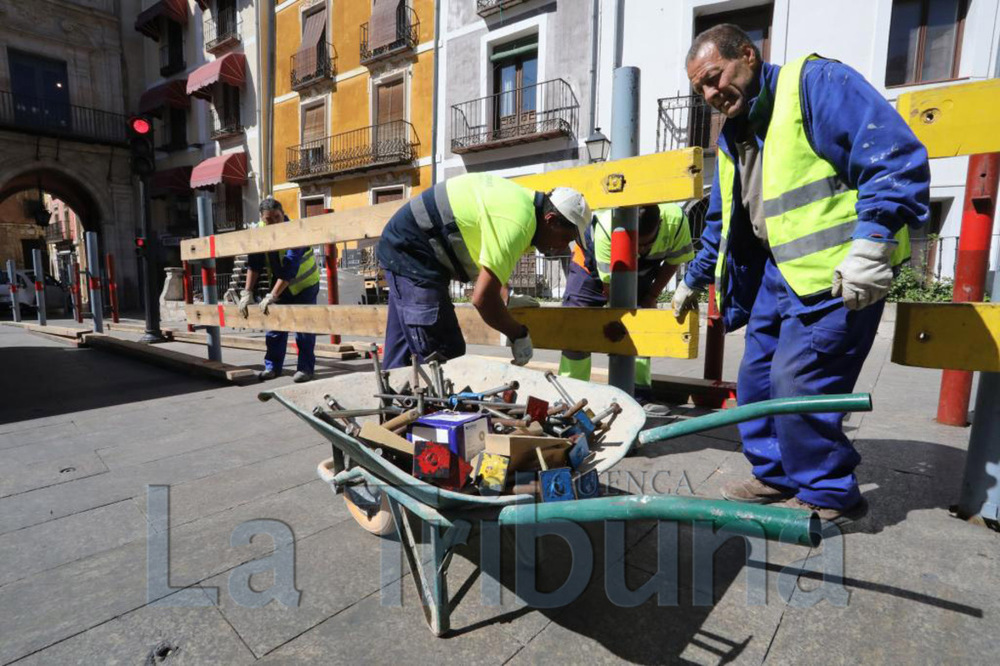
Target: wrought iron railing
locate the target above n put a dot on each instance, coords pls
(79, 123)
(535, 275)
(225, 122)
(222, 29)
(407, 37)
(532, 113)
(487, 7)
(171, 58)
(313, 64)
(227, 215)
(686, 121)
(54, 233)
(366, 148)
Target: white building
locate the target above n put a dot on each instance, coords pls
(898, 45)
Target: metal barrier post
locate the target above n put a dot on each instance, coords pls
(112, 286)
(210, 292)
(94, 281)
(12, 279)
(188, 292)
(332, 294)
(39, 267)
(75, 293)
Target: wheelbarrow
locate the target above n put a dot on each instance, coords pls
(381, 496)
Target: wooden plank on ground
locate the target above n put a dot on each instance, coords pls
(953, 336)
(136, 328)
(675, 175)
(669, 176)
(338, 352)
(61, 331)
(955, 120)
(605, 330)
(168, 358)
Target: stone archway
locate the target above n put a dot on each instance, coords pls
(93, 209)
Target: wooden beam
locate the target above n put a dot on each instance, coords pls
(60, 331)
(669, 176)
(647, 179)
(602, 330)
(337, 352)
(955, 120)
(953, 336)
(173, 360)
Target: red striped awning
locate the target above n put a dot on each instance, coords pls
(230, 169)
(148, 21)
(170, 181)
(230, 68)
(172, 94)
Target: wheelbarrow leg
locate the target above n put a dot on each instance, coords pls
(428, 574)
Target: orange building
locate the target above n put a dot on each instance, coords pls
(353, 102)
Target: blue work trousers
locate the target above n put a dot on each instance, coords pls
(814, 354)
(421, 321)
(277, 341)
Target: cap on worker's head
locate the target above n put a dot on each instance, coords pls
(573, 207)
(270, 203)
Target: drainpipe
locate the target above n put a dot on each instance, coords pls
(434, 99)
(595, 36)
(619, 32)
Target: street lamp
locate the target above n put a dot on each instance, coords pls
(598, 146)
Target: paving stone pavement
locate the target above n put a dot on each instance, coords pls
(84, 433)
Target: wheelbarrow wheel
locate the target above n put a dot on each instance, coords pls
(373, 518)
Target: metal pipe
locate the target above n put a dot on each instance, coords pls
(109, 259)
(981, 184)
(715, 348)
(797, 526)
(332, 290)
(210, 293)
(435, 93)
(812, 404)
(94, 280)
(75, 292)
(39, 269)
(625, 221)
(188, 291)
(12, 281)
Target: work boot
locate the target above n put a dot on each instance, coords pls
(754, 491)
(835, 516)
(264, 375)
(300, 377)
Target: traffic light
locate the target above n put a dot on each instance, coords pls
(142, 156)
(140, 245)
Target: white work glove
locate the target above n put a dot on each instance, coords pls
(246, 298)
(685, 298)
(521, 349)
(864, 276)
(522, 301)
(265, 303)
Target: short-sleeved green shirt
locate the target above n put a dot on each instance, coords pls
(672, 244)
(496, 218)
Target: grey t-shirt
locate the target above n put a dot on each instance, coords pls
(751, 182)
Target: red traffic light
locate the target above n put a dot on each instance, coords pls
(140, 125)
(140, 242)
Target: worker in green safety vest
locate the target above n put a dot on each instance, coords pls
(664, 239)
(818, 181)
(294, 281)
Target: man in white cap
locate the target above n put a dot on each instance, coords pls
(471, 228)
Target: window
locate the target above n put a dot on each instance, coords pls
(389, 102)
(756, 21)
(314, 133)
(172, 51)
(925, 41)
(41, 90)
(176, 128)
(515, 73)
(390, 136)
(315, 206)
(231, 105)
(387, 194)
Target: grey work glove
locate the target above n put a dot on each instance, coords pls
(685, 298)
(246, 298)
(521, 349)
(864, 276)
(522, 301)
(265, 303)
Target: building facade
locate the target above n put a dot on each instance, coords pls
(898, 45)
(63, 97)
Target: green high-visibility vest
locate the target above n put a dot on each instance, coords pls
(809, 210)
(305, 277)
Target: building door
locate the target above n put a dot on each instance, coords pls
(389, 136)
(515, 75)
(40, 89)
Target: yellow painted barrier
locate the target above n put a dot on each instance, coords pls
(953, 336)
(955, 120)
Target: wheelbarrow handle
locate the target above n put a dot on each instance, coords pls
(812, 404)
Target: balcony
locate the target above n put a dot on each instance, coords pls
(489, 7)
(686, 121)
(224, 123)
(54, 233)
(171, 58)
(222, 30)
(313, 65)
(407, 31)
(48, 118)
(227, 215)
(533, 113)
(362, 149)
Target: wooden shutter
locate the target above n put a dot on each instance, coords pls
(314, 123)
(390, 102)
(382, 28)
(314, 207)
(382, 196)
(313, 30)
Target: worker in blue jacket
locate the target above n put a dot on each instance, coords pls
(818, 180)
(294, 281)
